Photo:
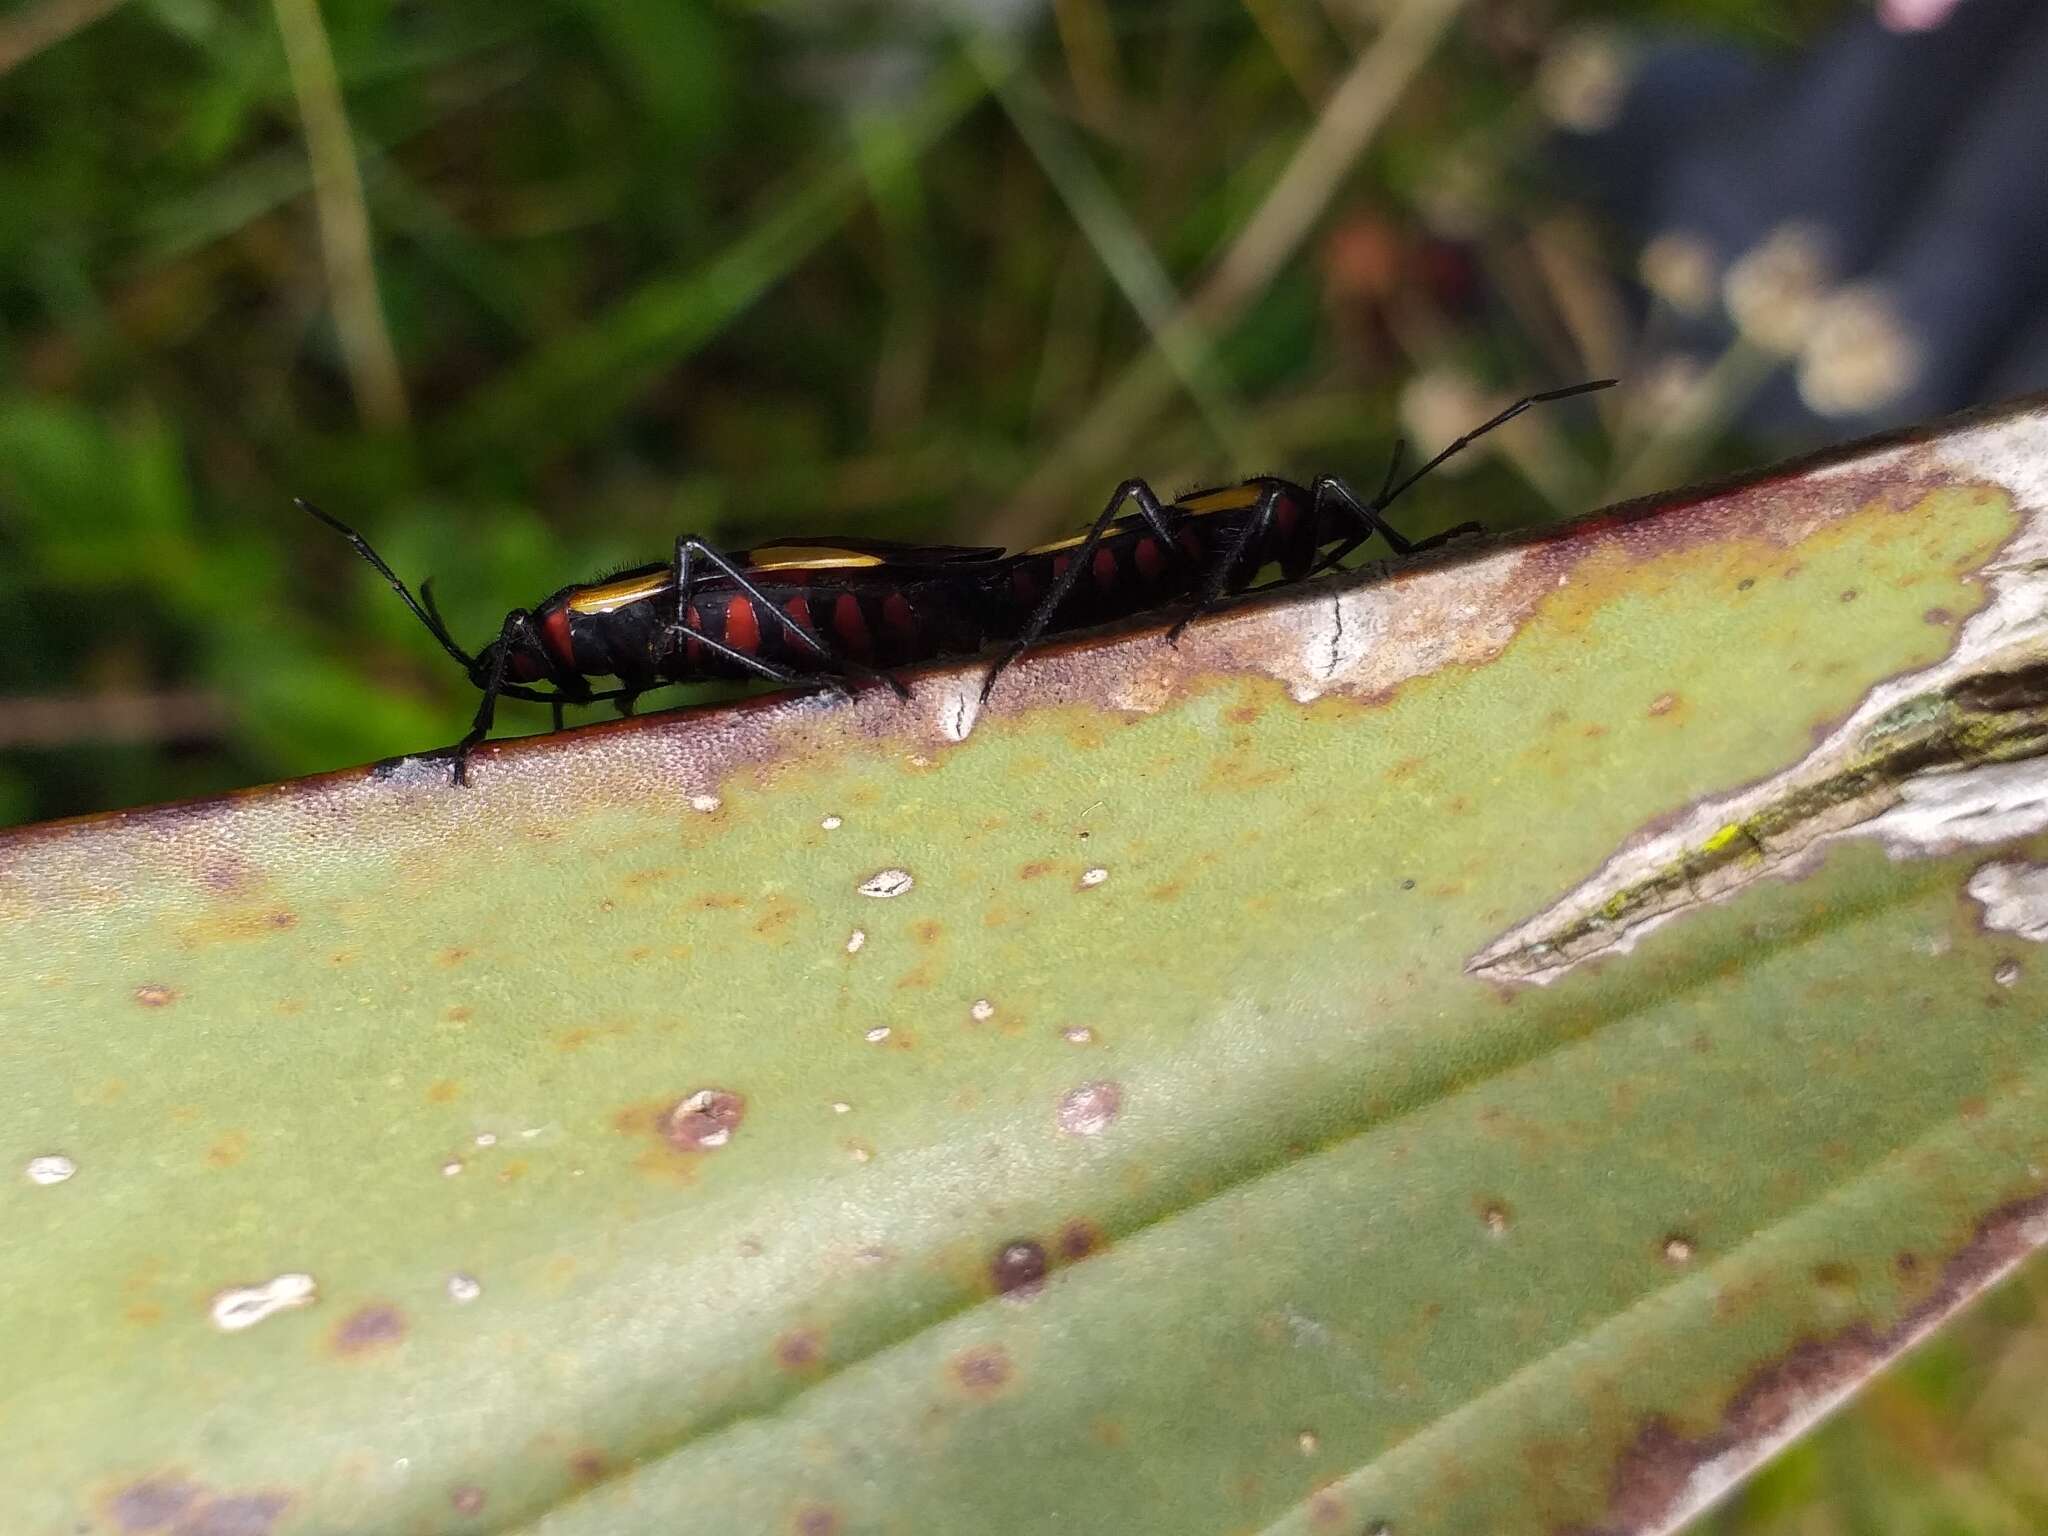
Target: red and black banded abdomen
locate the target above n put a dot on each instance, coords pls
(1129, 572)
(1132, 570)
(876, 623)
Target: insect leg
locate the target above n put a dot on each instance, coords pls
(1149, 508)
(768, 669)
(1217, 582)
(688, 546)
(685, 585)
(518, 625)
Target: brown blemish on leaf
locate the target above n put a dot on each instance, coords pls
(1833, 1275)
(152, 1503)
(228, 1149)
(1653, 1475)
(236, 1514)
(575, 1039)
(927, 930)
(800, 1349)
(177, 1506)
(443, 1091)
(704, 1120)
(983, 1371)
(587, 1465)
(368, 1329)
(283, 919)
(661, 1158)
(1018, 1268)
(453, 956)
(816, 1520)
(1079, 1239)
(774, 921)
(1941, 618)
(155, 995)
(229, 875)
(1037, 869)
(1328, 1510)
(1109, 1432)
(1663, 704)
(468, 1499)
(459, 1014)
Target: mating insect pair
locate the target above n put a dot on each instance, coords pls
(834, 612)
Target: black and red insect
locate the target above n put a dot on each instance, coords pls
(824, 611)
(1191, 553)
(834, 612)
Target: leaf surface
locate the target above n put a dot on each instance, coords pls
(1497, 1046)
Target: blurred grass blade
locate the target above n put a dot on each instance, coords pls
(1328, 152)
(346, 244)
(1502, 1048)
(1122, 250)
(580, 381)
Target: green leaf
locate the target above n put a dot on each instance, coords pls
(1499, 1047)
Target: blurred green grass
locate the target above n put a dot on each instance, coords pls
(638, 267)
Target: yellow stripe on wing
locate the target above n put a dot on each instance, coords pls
(1229, 498)
(810, 557)
(627, 590)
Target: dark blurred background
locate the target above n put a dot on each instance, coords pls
(525, 288)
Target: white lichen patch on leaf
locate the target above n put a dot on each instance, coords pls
(2015, 900)
(1934, 811)
(245, 1306)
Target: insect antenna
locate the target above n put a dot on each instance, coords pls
(438, 624)
(1367, 513)
(426, 614)
(1392, 492)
